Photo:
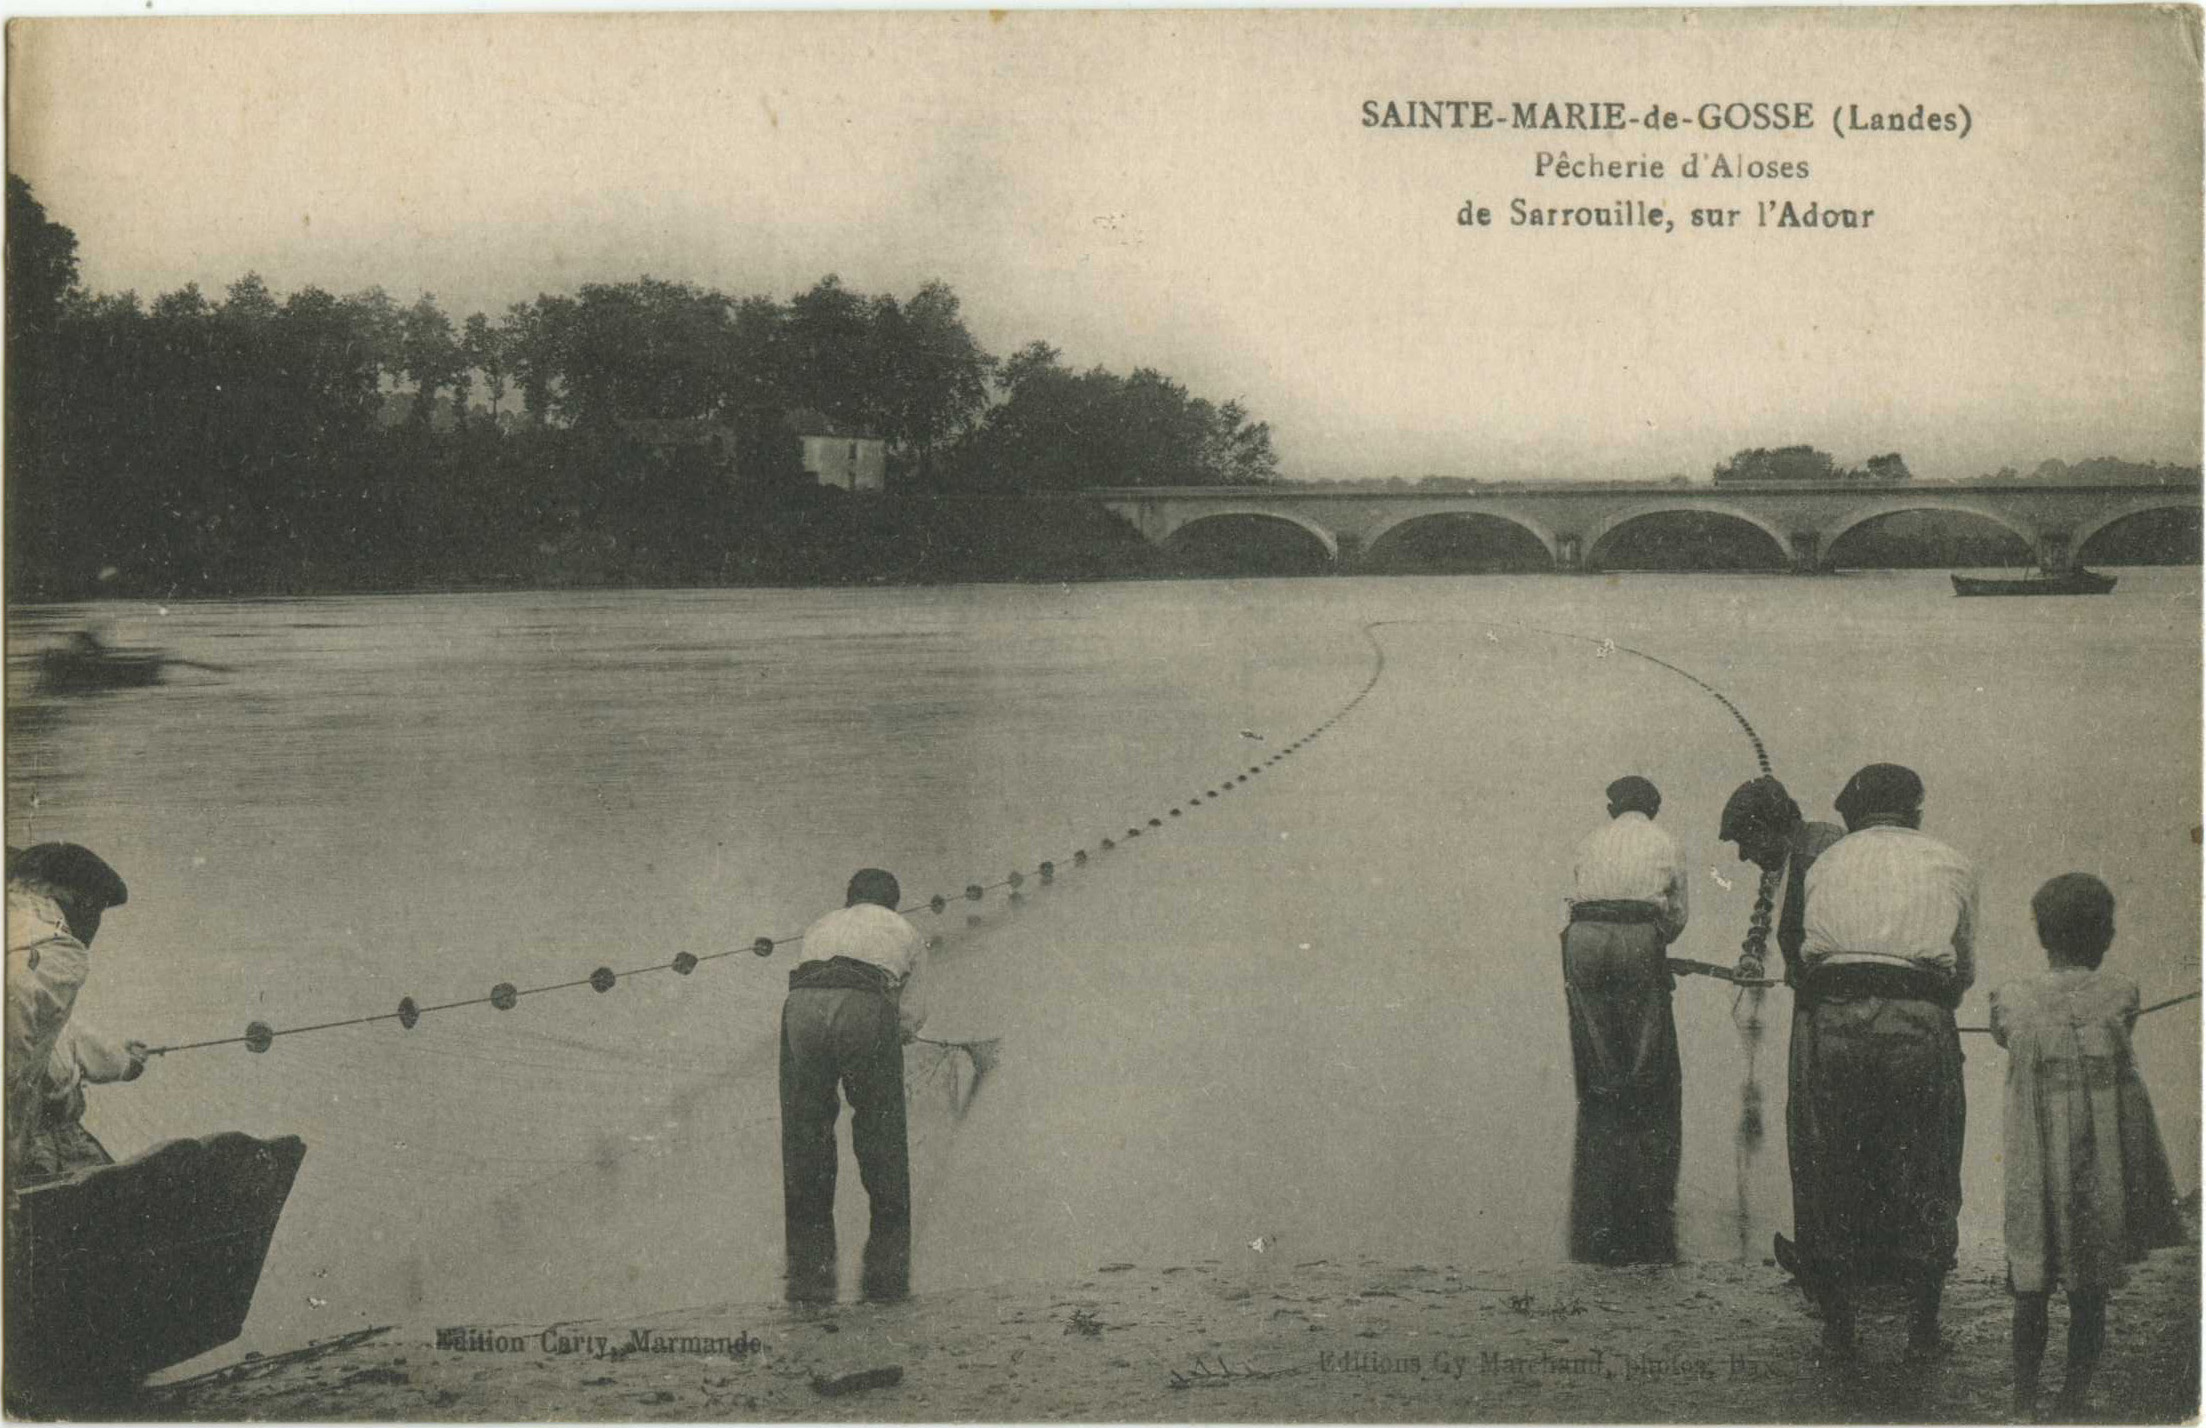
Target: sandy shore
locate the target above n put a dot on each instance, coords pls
(1257, 1338)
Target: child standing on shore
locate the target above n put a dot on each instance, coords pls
(2088, 1184)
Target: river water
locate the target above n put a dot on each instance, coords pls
(1322, 1009)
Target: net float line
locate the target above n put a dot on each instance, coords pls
(1761, 758)
(2142, 1011)
(259, 1036)
(1606, 646)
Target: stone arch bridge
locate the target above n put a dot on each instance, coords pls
(1575, 524)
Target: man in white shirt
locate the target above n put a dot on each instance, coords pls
(1627, 904)
(57, 894)
(1876, 1109)
(845, 1022)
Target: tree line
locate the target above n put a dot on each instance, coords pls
(253, 442)
(1760, 465)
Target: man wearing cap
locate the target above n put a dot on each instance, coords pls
(1876, 1111)
(845, 1022)
(57, 893)
(1761, 818)
(1627, 904)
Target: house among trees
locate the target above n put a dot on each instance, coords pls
(838, 453)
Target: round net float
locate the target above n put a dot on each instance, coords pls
(763, 947)
(684, 963)
(1079, 857)
(1109, 844)
(503, 996)
(1256, 768)
(972, 919)
(408, 1013)
(1136, 832)
(1175, 814)
(259, 1036)
(1211, 792)
(1015, 897)
(938, 902)
(601, 980)
(1158, 822)
(972, 892)
(1048, 872)
(1017, 878)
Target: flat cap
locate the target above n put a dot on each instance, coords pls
(1879, 788)
(70, 868)
(1633, 792)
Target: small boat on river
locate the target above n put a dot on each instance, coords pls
(2078, 581)
(121, 1270)
(86, 664)
(72, 669)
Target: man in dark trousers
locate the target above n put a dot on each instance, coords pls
(1877, 1109)
(845, 1023)
(1627, 904)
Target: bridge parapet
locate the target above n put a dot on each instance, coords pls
(1571, 522)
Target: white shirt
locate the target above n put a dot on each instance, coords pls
(865, 932)
(1628, 859)
(1889, 894)
(46, 967)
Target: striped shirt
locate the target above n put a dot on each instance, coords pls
(1889, 894)
(1628, 859)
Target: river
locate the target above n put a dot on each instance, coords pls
(1321, 1009)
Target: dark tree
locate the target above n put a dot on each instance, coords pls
(1056, 430)
(41, 264)
(1887, 470)
(1761, 465)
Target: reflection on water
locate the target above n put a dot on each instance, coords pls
(1323, 1009)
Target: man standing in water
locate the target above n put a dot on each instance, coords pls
(1761, 818)
(1877, 1107)
(1627, 905)
(846, 1021)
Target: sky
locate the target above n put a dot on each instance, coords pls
(1197, 192)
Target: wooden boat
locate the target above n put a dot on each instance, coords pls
(2078, 581)
(121, 1270)
(72, 669)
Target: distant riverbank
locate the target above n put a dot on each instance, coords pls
(832, 538)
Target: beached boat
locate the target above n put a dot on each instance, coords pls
(2078, 581)
(121, 1270)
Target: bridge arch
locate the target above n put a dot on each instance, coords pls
(1626, 516)
(1172, 537)
(1533, 528)
(1927, 501)
(2158, 501)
